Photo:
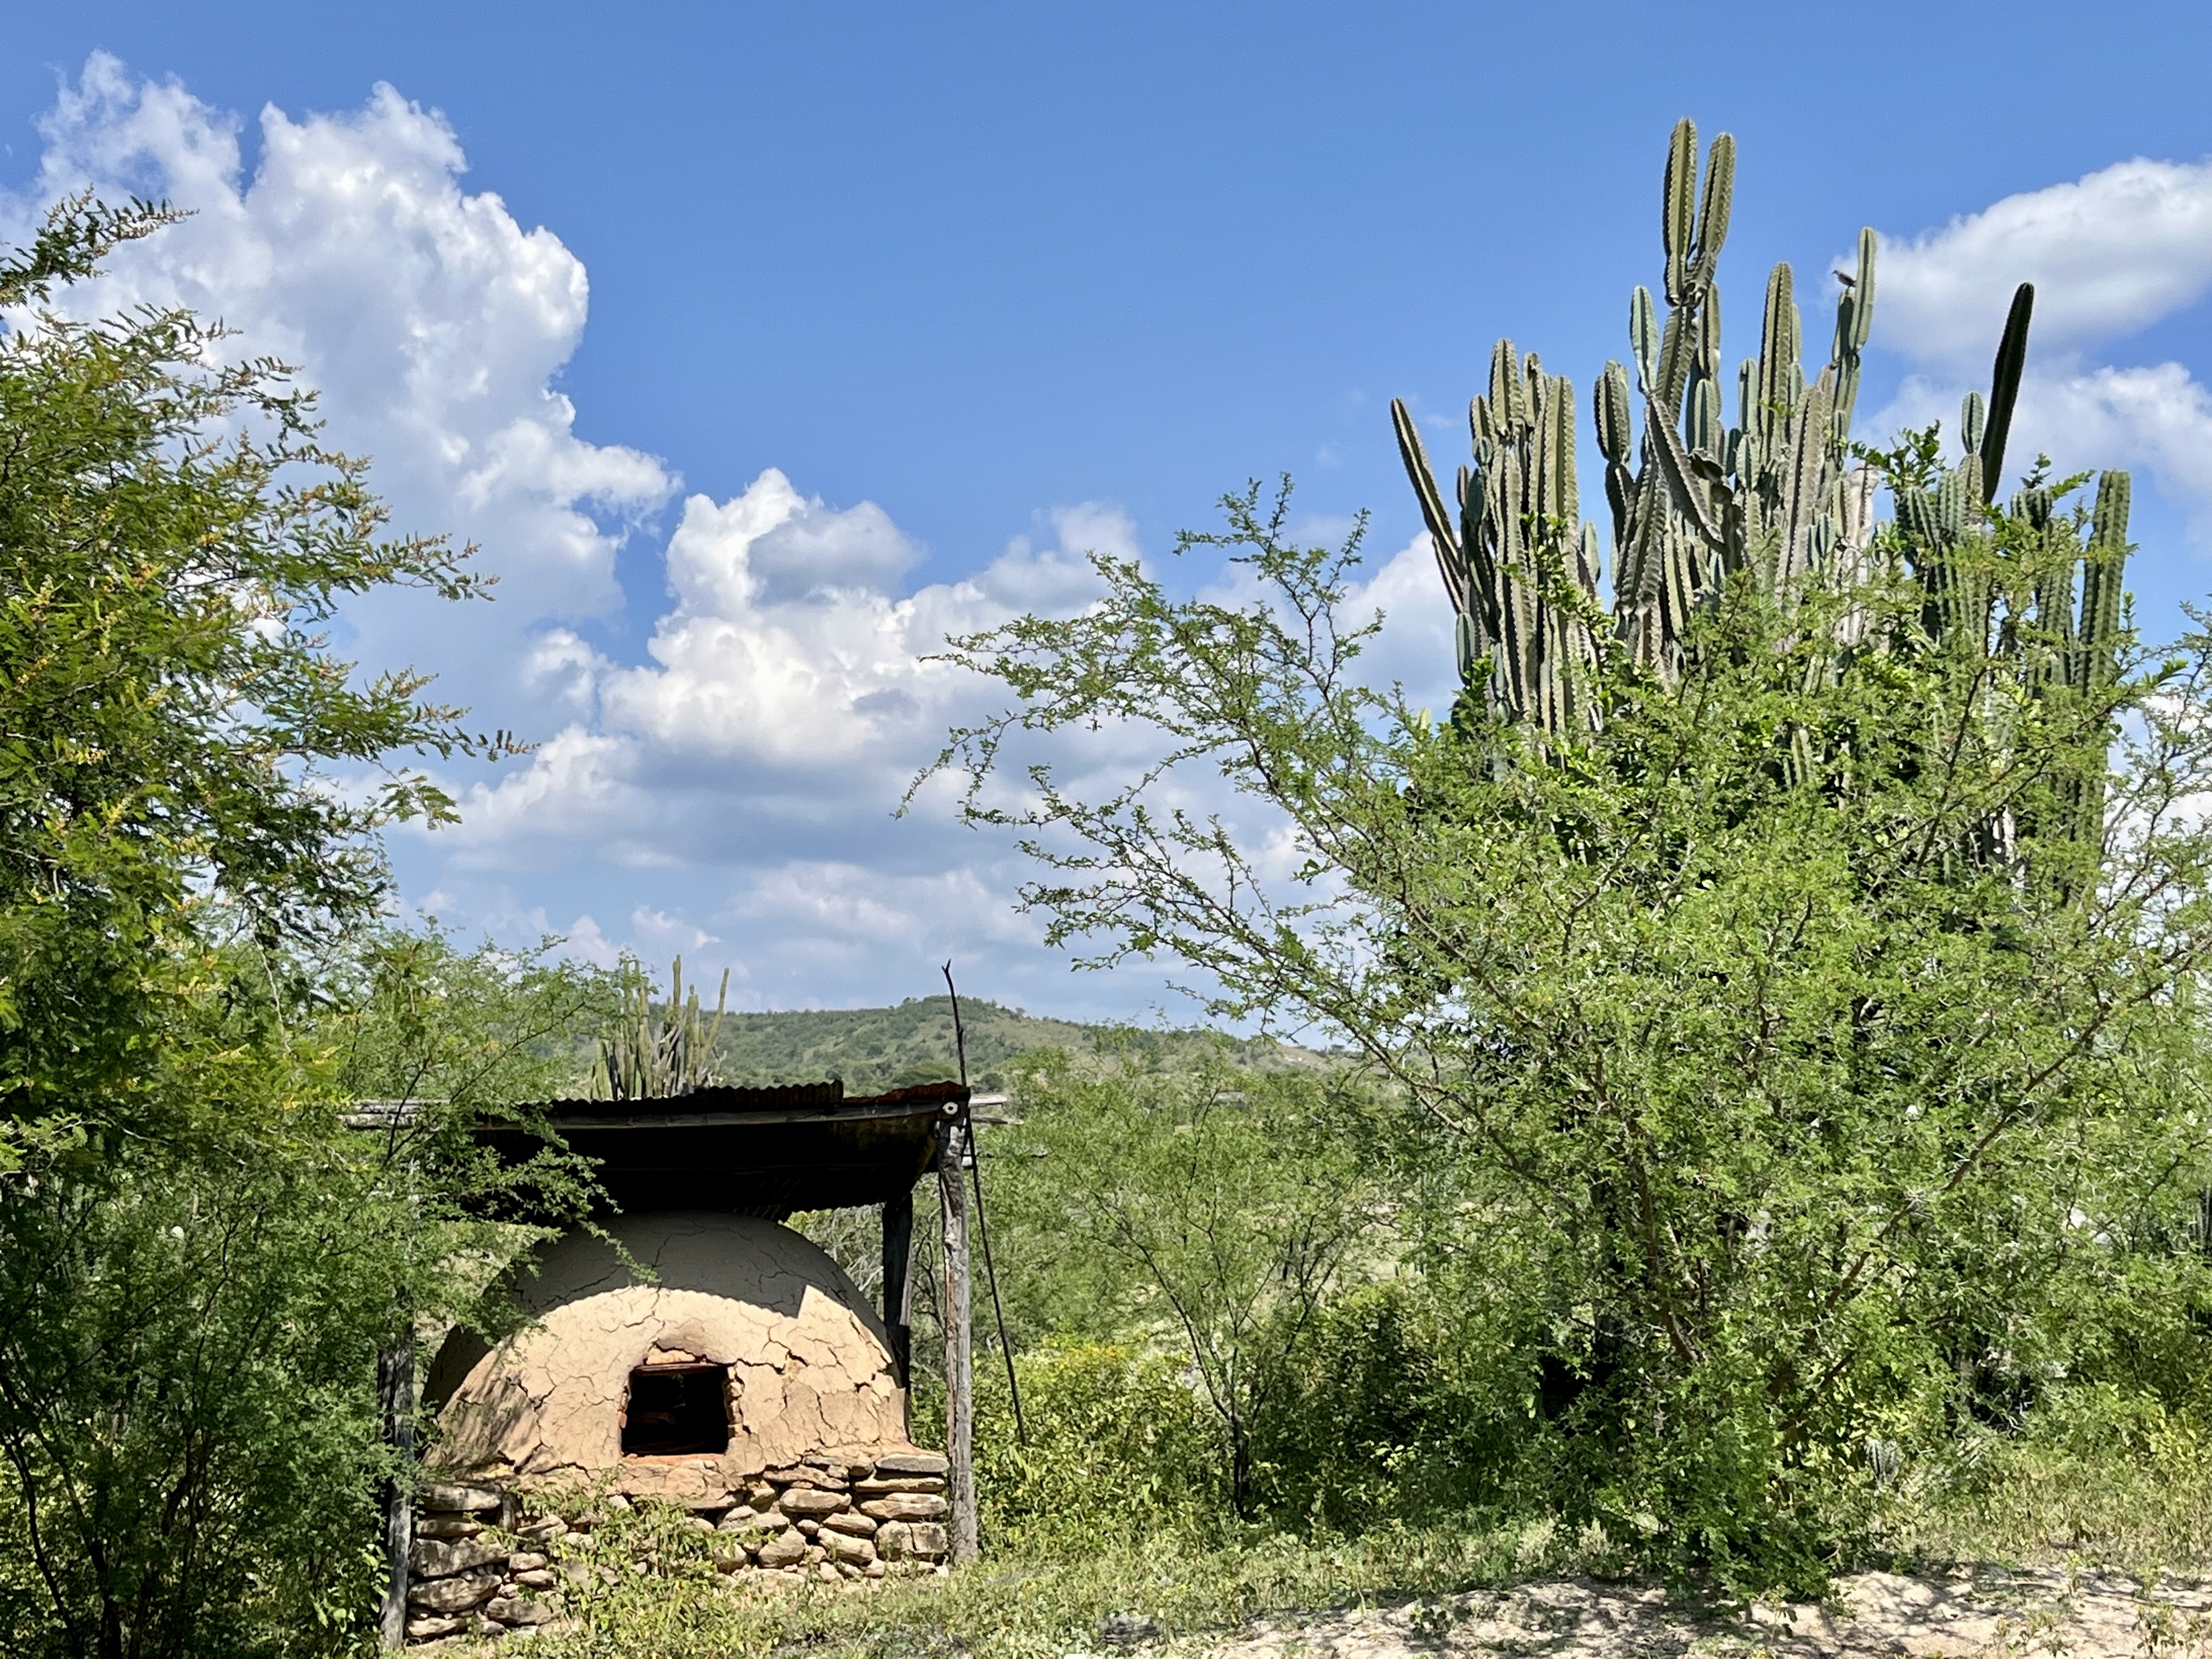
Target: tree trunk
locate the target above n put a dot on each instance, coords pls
(1240, 1468)
(395, 1390)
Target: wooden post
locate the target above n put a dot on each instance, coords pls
(959, 1356)
(898, 1246)
(395, 1395)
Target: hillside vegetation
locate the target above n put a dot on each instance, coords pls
(873, 1049)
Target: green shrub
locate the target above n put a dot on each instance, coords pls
(1121, 1447)
(1371, 1424)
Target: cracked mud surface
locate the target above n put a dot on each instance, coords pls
(807, 1361)
(1983, 1614)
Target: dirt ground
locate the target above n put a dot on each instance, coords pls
(1988, 1612)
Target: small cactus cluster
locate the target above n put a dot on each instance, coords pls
(1693, 498)
(649, 1055)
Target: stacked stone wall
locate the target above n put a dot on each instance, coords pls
(482, 1566)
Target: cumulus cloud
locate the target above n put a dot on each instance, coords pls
(2110, 254)
(430, 321)
(729, 793)
(772, 719)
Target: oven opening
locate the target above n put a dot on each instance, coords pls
(677, 1411)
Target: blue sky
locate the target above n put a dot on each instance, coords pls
(986, 285)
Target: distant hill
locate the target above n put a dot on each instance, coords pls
(873, 1049)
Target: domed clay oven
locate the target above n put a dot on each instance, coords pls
(753, 1350)
(749, 1381)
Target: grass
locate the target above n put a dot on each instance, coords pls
(1022, 1609)
(2100, 1489)
(2102, 1483)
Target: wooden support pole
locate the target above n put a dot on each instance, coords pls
(959, 1354)
(898, 1246)
(395, 1398)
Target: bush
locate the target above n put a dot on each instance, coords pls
(1373, 1424)
(1121, 1447)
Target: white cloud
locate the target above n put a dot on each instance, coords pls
(730, 795)
(432, 323)
(2109, 254)
(771, 715)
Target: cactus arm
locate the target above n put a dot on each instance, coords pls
(1676, 352)
(1509, 393)
(2004, 388)
(1634, 580)
(1567, 486)
(1853, 322)
(1863, 293)
(1609, 409)
(2108, 523)
(1643, 340)
(1451, 561)
(1807, 479)
(1778, 356)
(1713, 212)
(1679, 208)
(2101, 573)
(1609, 413)
(1481, 570)
(1687, 494)
(1589, 561)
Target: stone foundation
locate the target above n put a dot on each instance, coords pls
(482, 1567)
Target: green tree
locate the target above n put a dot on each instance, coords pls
(1773, 1104)
(171, 534)
(199, 1261)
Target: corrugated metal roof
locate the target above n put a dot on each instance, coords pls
(759, 1151)
(720, 1102)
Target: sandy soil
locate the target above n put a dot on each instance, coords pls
(1876, 1615)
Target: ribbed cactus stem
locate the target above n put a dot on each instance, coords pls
(2004, 387)
(1644, 340)
(1679, 208)
(1713, 211)
(1690, 497)
(2102, 568)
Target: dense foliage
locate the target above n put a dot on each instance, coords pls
(1773, 1120)
(199, 1260)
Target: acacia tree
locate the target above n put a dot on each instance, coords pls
(199, 1262)
(1763, 1087)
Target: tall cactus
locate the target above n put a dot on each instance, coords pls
(2065, 629)
(1774, 497)
(1692, 499)
(1519, 564)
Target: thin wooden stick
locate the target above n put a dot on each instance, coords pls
(984, 1220)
